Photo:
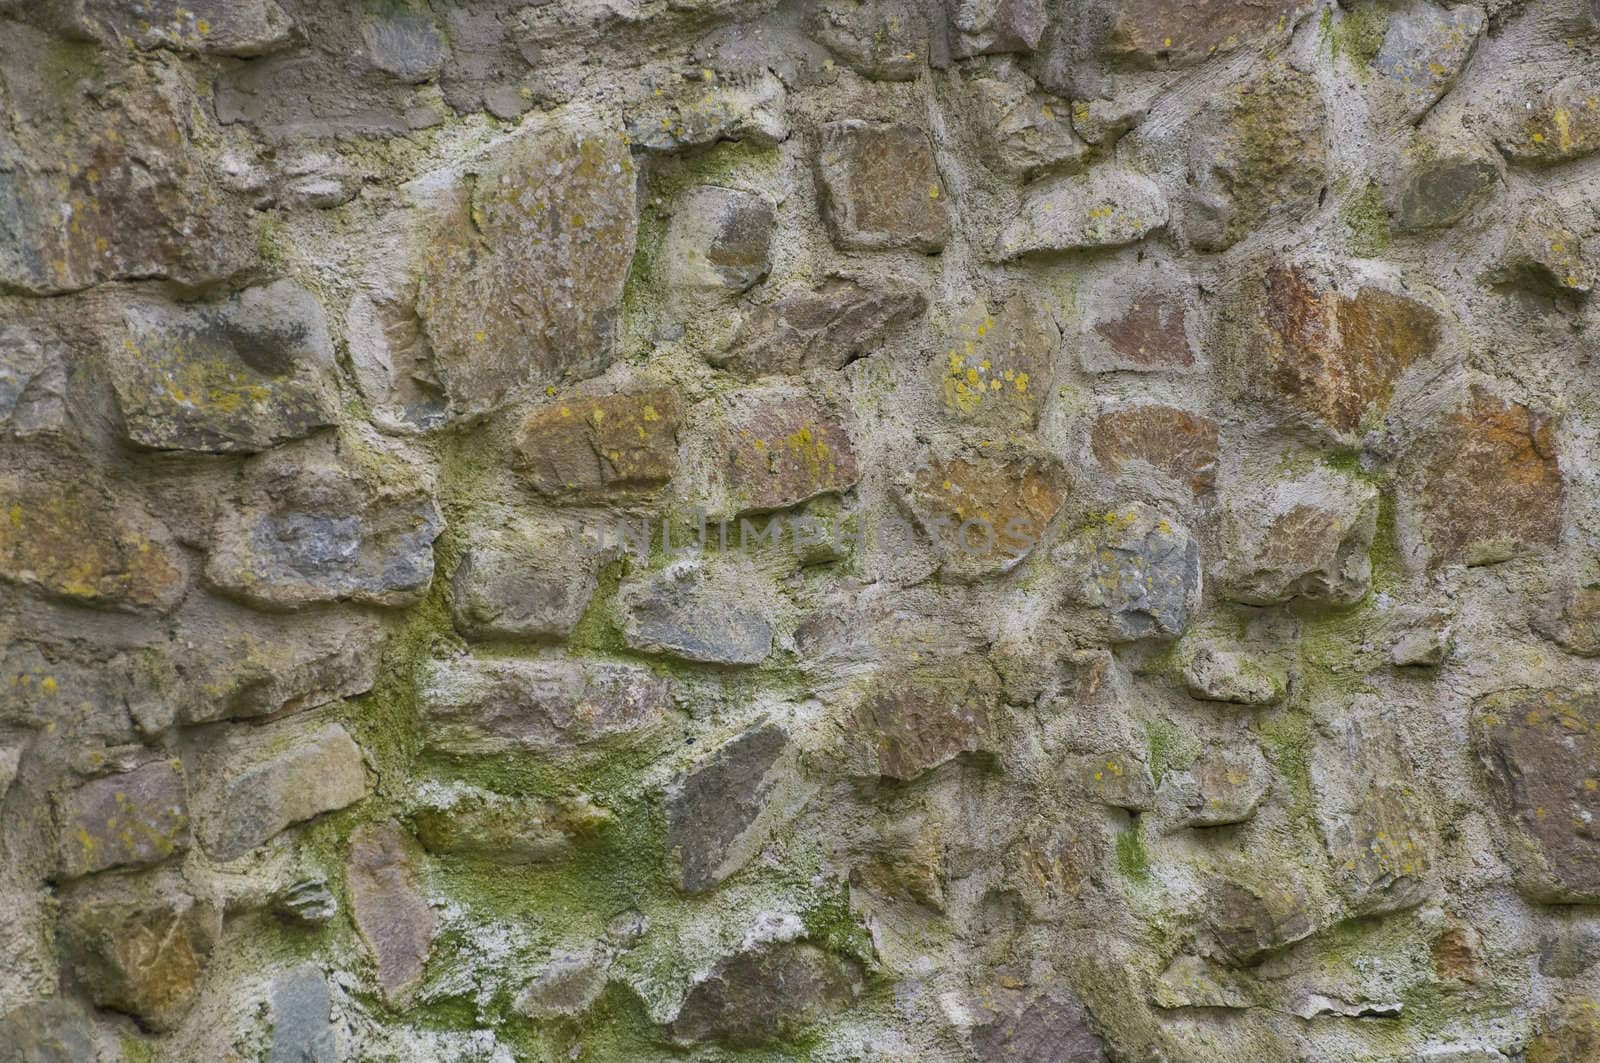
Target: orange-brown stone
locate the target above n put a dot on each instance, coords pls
(584, 449)
(1173, 441)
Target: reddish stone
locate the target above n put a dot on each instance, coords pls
(1176, 442)
(586, 449)
(1150, 334)
(880, 188)
(1186, 32)
(783, 452)
(393, 918)
(985, 513)
(927, 716)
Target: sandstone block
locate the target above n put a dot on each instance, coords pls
(1163, 33)
(754, 997)
(1562, 123)
(986, 510)
(886, 40)
(827, 327)
(1105, 207)
(784, 450)
(592, 449)
(321, 773)
(1177, 444)
(1304, 538)
(132, 819)
(697, 612)
(388, 909)
(880, 188)
(1138, 327)
(927, 714)
(719, 239)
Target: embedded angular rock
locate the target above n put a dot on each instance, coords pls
(926, 714)
(784, 450)
(240, 28)
(1028, 132)
(1305, 538)
(139, 944)
(1251, 919)
(1169, 33)
(523, 581)
(765, 993)
(524, 258)
(1440, 192)
(568, 987)
(67, 533)
(886, 40)
(1558, 125)
(1483, 485)
(1222, 787)
(1021, 1023)
(593, 449)
(1541, 253)
(1140, 570)
(132, 819)
(721, 812)
(704, 106)
(1105, 207)
(719, 239)
(388, 909)
(1258, 151)
(545, 706)
(1567, 1033)
(1175, 443)
(1423, 52)
(317, 525)
(986, 510)
(407, 47)
(507, 830)
(1143, 328)
(321, 773)
(237, 377)
(1118, 778)
(1541, 757)
(278, 669)
(1332, 359)
(1222, 675)
(998, 367)
(302, 1018)
(824, 328)
(990, 27)
(49, 1031)
(33, 381)
(1570, 617)
(697, 612)
(880, 189)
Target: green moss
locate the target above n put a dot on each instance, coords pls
(1366, 221)
(1286, 740)
(831, 924)
(1133, 860)
(1357, 33)
(1170, 749)
(1387, 568)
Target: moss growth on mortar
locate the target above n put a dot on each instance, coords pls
(1133, 860)
(832, 924)
(1366, 220)
(1357, 33)
(1171, 749)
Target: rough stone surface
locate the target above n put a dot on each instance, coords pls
(1223, 787)
(507, 830)
(925, 716)
(719, 239)
(524, 582)
(880, 188)
(986, 511)
(1173, 442)
(1029, 132)
(1018, 1025)
(886, 40)
(1570, 617)
(999, 366)
(697, 612)
(614, 445)
(302, 1019)
(392, 916)
(1561, 124)
(1441, 192)
(785, 450)
(1102, 208)
(131, 819)
(824, 328)
(1222, 675)
(1139, 570)
(712, 812)
(757, 996)
(320, 774)
(1304, 538)
(1424, 51)
(1144, 328)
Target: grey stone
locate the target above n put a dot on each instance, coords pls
(316, 525)
(718, 239)
(1544, 124)
(1140, 570)
(1118, 778)
(601, 448)
(1251, 919)
(320, 773)
(826, 327)
(308, 901)
(886, 40)
(1022, 1023)
(768, 992)
(407, 47)
(1224, 786)
(507, 830)
(393, 918)
(272, 669)
(713, 811)
(1539, 251)
(302, 1018)
(880, 188)
(54, 1030)
(1105, 207)
(1441, 192)
(1570, 617)
(240, 28)
(568, 986)
(696, 110)
(698, 612)
(33, 381)
(1210, 674)
(523, 581)
(1424, 50)
(1304, 538)
(1569, 950)
(132, 819)
(1029, 132)
(988, 27)
(1425, 644)
(546, 706)
(237, 377)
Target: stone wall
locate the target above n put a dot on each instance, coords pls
(884, 530)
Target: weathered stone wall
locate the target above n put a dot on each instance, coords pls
(1148, 606)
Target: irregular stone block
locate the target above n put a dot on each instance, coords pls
(567, 988)
(721, 812)
(991, 27)
(986, 510)
(554, 706)
(719, 239)
(321, 773)
(1425, 644)
(1141, 328)
(407, 47)
(926, 714)
(784, 450)
(998, 368)
(524, 581)
(1118, 779)
(1542, 761)
(1562, 123)
(238, 377)
(524, 258)
(696, 110)
(886, 40)
(1224, 786)
(132, 819)
(1482, 485)
(1252, 919)
(507, 830)
(388, 909)
(33, 381)
(1567, 1033)
(1176, 443)
(1027, 132)
(49, 1031)
(1140, 570)
(139, 945)
(1541, 253)
(316, 525)
(1442, 191)
(827, 327)
(1424, 50)
(593, 449)
(1171, 33)
(308, 902)
(697, 612)
(240, 28)
(1570, 617)
(1105, 207)
(880, 188)
(1331, 358)
(1221, 675)
(765, 993)
(1258, 152)
(64, 531)
(1305, 538)
(277, 669)
(1569, 950)
(1016, 1021)
(302, 1018)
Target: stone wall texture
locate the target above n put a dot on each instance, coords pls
(838, 530)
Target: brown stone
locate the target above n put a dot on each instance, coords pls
(827, 327)
(1177, 443)
(1330, 357)
(998, 368)
(132, 819)
(765, 993)
(1486, 482)
(589, 449)
(1564, 124)
(1019, 1023)
(928, 714)
(138, 944)
(1150, 33)
(992, 27)
(1251, 919)
(389, 911)
(1569, 1033)
(322, 772)
(1458, 954)
(1307, 538)
(783, 451)
(1570, 617)
(1150, 334)
(1542, 758)
(984, 511)
(880, 189)
(886, 40)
